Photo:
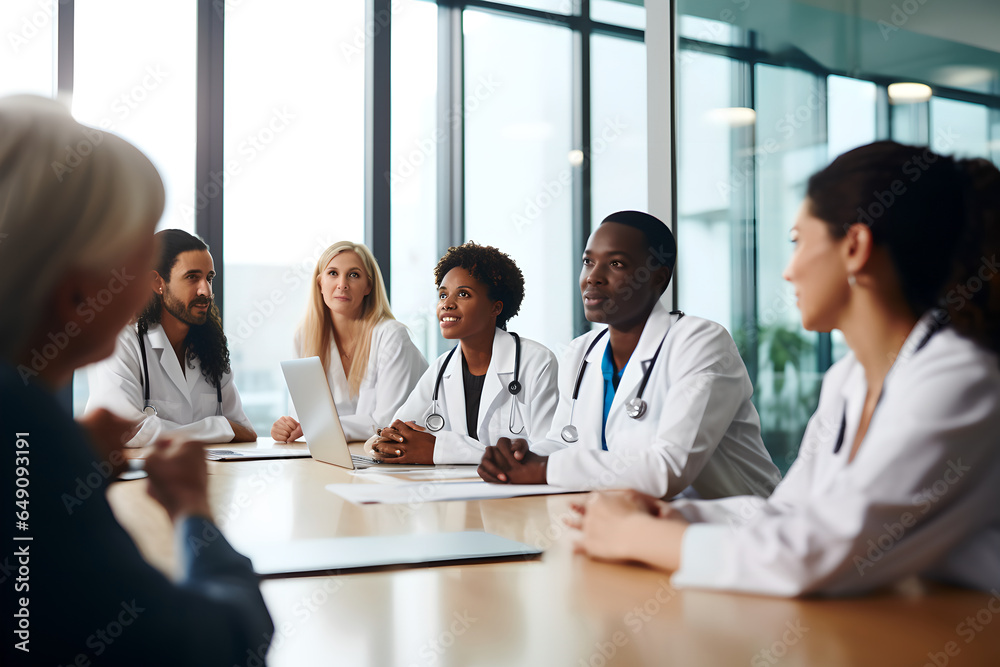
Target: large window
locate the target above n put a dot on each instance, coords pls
(517, 151)
(27, 59)
(763, 101)
(148, 97)
(293, 176)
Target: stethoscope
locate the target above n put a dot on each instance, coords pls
(435, 420)
(636, 407)
(934, 328)
(147, 408)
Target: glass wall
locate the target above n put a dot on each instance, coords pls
(294, 175)
(417, 142)
(517, 150)
(763, 100)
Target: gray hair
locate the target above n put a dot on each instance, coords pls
(71, 197)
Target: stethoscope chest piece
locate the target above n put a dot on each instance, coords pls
(434, 422)
(514, 388)
(635, 408)
(569, 433)
(149, 411)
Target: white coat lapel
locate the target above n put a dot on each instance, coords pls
(652, 333)
(498, 376)
(168, 361)
(589, 412)
(453, 393)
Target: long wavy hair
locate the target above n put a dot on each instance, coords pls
(316, 330)
(205, 341)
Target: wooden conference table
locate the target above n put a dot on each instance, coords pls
(562, 609)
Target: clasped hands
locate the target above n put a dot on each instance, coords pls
(404, 442)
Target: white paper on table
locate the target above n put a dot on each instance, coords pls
(422, 492)
(450, 475)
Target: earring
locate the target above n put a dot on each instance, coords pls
(852, 281)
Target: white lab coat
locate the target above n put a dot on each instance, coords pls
(186, 403)
(922, 496)
(394, 366)
(532, 413)
(700, 429)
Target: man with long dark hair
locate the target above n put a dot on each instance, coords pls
(171, 368)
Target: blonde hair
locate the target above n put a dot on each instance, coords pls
(71, 197)
(316, 329)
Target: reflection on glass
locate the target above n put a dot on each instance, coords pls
(960, 128)
(628, 13)
(28, 57)
(413, 179)
(293, 178)
(707, 170)
(518, 175)
(850, 114)
(708, 30)
(618, 126)
(790, 115)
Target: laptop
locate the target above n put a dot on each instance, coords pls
(317, 413)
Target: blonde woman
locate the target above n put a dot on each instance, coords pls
(370, 361)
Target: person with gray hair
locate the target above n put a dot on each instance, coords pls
(78, 208)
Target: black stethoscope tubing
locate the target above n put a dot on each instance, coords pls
(636, 407)
(435, 420)
(147, 407)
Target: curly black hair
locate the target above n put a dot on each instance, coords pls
(493, 268)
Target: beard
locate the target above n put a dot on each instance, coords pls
(185, 312)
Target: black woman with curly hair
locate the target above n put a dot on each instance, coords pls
(171, 368)
(493, 384)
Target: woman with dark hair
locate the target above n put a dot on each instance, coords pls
(492, 384)
(171, 368)
(898, 473)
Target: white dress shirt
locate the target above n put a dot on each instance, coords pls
(922, 496)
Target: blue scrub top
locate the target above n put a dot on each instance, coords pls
(611, 380)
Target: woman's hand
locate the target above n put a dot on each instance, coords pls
(286, 429)
(628, 525)
(404, 442)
